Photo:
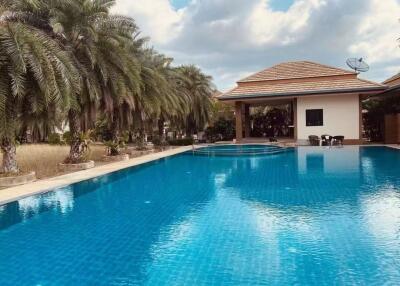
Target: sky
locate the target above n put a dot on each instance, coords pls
(231, 39)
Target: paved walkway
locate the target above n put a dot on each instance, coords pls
(46, 185)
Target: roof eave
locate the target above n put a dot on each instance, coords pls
(315, 92)
(391, 91)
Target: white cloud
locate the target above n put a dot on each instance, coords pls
(156, 17)
(281, 28)
(377, 34)
(230, 38)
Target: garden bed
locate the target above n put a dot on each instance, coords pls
(116, 158)
(15, 180)
(75, 167)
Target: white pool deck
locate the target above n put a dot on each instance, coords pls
(47, 185)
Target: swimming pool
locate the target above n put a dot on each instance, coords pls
(313, 216)
(240, 150)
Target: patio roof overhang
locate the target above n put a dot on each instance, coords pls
(274, 96)
(392, 91)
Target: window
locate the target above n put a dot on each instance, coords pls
(314, 117)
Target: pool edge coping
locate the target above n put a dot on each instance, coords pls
(16, 193)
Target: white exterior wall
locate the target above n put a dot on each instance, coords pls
(341, 116)
(348, 162)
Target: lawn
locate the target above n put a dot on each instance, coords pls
(44, 158)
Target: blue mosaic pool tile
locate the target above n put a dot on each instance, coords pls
(314, 216)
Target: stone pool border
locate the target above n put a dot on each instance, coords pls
(47, 185)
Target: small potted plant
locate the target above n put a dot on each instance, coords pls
(83, 149)
(113, 151)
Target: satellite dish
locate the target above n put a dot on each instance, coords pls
(358, 65)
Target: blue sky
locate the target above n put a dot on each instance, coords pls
(278, 5)
(230, 39)
(281, 5)
(178, 4)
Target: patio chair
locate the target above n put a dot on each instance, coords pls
(314, 140)
(338, 140)
(273, 139)
(326, 140)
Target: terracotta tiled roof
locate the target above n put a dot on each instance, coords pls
(216, 94)
(293, 70)
(300, 78)
(393, 78)
(335, 85)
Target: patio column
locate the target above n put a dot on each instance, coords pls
(295, 119)
(360, 99)
(239, 121)
(247, 126)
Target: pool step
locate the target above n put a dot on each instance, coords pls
(242, 150)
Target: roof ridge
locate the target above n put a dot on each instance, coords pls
(271, 67)
(332, 67)
(269, 72)
(302, 77)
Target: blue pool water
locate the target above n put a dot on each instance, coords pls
(313, 216)
(237, 150)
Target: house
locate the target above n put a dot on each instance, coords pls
(322, 99)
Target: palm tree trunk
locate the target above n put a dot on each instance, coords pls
(9, 164)
(161, 132)
(115, 127)
(190, 127)
(141, 142)
(115, 150)
(77, 150)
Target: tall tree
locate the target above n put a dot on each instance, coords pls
(199, 87)
(35, 74)
(162, 99)
(99, 44)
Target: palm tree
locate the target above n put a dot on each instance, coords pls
(161, 99)
(35, 74)
(199, 87)
(130, 84)
(99, 43)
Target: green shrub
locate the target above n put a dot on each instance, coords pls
(67, 137)
(181, 142)
(222, 129)
(124, 137)
(114, 147)
(54, 139)
(156, 141)
(101, 130)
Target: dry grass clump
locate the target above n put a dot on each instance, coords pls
(44, 158)
(97, 151)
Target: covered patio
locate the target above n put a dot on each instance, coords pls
(321, 100)
(262, 120)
